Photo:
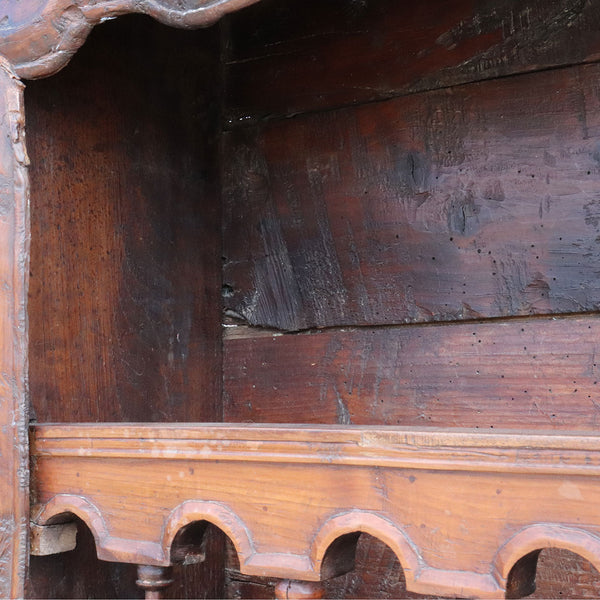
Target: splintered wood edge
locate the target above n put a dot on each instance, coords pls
(44, 44)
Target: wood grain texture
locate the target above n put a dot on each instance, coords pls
(124, 294)
(472, 202)
(460, 508)
(312, 56)
(14, 264)
(39, 37)
(125, 283)
(539, 373)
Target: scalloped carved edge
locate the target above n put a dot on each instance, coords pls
(46, 43)
(420, 577)
(250, 453)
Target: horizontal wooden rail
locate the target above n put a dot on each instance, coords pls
(460, 508)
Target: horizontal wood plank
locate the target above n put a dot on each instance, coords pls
(474, 202)
(523, 374)
(295, 56)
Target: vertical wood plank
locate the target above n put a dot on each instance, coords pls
(125, 282)
(14, 261)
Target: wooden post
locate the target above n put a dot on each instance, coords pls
(288, 589)
(153, 580)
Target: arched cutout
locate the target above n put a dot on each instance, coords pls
(374, 563)
(188, 522)
(337, 535)
(522, 550)
(59, 508)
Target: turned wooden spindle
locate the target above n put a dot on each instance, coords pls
(288, 589)
(153, 580)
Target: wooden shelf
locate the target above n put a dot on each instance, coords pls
(459, 508)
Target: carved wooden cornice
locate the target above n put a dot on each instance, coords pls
(459, 508)
(40, 37)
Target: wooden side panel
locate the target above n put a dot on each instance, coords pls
(125, 277)
(14, 262)
(316, 55)
(472, 202)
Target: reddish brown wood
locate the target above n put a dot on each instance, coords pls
(39, 37)
(463, 510)
(298, 590)
(472, 202)
(316, 55)
(14, 264)
(538, 373)
(124, 302)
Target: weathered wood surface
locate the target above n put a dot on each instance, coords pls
(459, 508)
(537, 374)
(14, 265)
(124, 302)
(311, 56)
(473, 202)
(39, 37)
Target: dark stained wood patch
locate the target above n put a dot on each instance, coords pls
(534, 374)
(473, 202)
(297, 56)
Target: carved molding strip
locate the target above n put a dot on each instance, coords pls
(40, 37)
(398, 447)
(459, 508)
(14, 271)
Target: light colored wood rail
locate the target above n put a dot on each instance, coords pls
(460, 508)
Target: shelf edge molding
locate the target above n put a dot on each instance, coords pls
(459, 509)
(39, 38)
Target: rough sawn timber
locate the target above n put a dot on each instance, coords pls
(314, 56)
(459, 508)
(467, 203)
